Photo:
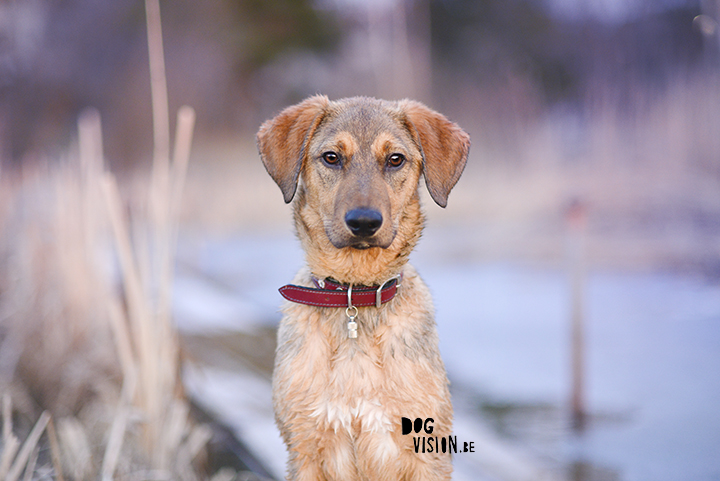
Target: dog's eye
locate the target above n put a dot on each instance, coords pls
(331, 158)
(396, 160)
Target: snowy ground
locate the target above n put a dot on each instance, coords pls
(652, 368)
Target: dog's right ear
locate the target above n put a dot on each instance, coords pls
(444, 147)
(282, 141)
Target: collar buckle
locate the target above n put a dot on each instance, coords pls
(378, 292)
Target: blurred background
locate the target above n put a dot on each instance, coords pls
(585, 343)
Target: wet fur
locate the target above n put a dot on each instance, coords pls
(338, 401)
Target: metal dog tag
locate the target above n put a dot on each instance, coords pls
(351, 313)
(352, 329)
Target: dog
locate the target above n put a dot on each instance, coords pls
(357, 345)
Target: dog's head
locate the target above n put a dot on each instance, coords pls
(358, 162)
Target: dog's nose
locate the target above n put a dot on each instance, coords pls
(363, 222)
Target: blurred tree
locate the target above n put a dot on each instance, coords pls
(266, 29)
(491, 40)
(57, 58)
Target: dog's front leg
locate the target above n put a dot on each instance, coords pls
(327, 457)
(304, 467)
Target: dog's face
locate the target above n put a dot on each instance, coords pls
(365, 167)
(359, 160)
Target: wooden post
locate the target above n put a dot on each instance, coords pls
(576, 219)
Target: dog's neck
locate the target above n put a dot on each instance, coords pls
(368, 267)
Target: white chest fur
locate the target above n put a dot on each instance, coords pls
(368, 414)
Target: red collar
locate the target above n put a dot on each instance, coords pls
(330, 293)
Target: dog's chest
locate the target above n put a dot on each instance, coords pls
(362, 385)
(356, 398)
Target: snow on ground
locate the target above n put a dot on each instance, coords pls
(243, 401)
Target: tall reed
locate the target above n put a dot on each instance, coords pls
(87, 310)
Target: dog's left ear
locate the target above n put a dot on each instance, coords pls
(282, 141)
(444, 147)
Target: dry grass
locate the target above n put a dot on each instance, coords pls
(94, 349)
(89, 360)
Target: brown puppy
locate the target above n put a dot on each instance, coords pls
(353, 168)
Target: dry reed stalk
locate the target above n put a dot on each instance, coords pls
(176, 422)
(76, 447)
(55, 450)
(165, 189)
(22, 458)
(146, 342)
(122, 335)
(118, 428)
(160, 181)
(158, 86)
(147, 267)
(91, 165)
(10, 442)
(181, 153)
(178, 175)
(175, 425)
(30, 469)
(141, 320)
